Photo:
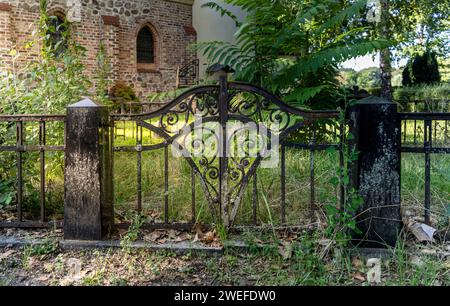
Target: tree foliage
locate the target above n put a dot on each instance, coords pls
(46, 85)
(422, 69)
(293, 47)
(421, 25)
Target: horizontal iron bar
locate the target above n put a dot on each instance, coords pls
(424, 116)
(156, 226)
(31, 224)
(425, 150)
(28, 118)
(318, 147)
(31, 148)
(139, 149)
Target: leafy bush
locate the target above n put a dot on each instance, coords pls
(292, 47)
(433, 97)
(122, 90)
(46, 85)
(422, 69)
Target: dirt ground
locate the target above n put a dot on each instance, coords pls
(269, 264)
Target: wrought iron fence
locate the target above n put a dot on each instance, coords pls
(225, 179)
(20, 146)
(425, 133)
(189, 74)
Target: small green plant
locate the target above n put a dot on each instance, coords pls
(222, 232)
(7, 193)
(137, 220)
(341, 221)
(46, 248)
(102, 74)
(121, 90)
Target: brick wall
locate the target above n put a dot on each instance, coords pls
(116, 23)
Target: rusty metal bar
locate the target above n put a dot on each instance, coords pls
(158, 226)
(341, 166)
(113, 124)
(423, 116)
(166, 185)
(405, 131)
(223, 158)
(446, 132)
(19, 157)
(427, 146)
(283, 184)
(193, 195)
(31, 118)
(312, 205)
(139, 167)
(42, 141)
(415, 132)
(31, 148)
(32, 224)
(255, 199)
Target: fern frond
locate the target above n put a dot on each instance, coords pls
(222, 11)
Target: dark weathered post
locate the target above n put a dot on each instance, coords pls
(88, 210)
(376, 173)
(221, 72)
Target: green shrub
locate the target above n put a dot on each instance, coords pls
(422, 69)
(428, 97)
(121, 90)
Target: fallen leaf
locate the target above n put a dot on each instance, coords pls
(374, 274)
(209, 237)
(428, 252)
(196, 238)
(154, 236)
(172, 234)
(74, 267)
(421, 231)
(285, 250)
(183, 237)
(7, 254)
(357, 262)
(43, 278)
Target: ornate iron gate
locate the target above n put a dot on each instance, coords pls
(207, 124)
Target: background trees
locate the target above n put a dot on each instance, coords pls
(422, 69)
(294, 48)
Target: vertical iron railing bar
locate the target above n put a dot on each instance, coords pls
(415, 132)
(283, 184)
(193, 196)
(342, 188)
(255, 199)
(139, 168)
(446, 131)
(405, 131)
(312, 172)
(112, 140)
(427, 146)
(166, 184)
(42, 142)
(19, 157)
(223, 160)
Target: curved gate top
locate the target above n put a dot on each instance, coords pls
(225, 132)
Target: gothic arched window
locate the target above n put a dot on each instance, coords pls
(57, 31)
(145, 46)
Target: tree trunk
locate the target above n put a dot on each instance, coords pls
(385, 54)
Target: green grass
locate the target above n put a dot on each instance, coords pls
(269, 185)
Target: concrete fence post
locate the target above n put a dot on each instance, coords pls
(88, 200)
(376, 172)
